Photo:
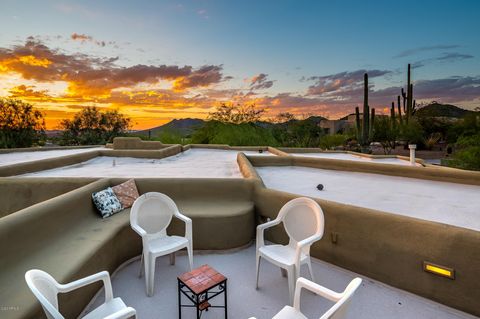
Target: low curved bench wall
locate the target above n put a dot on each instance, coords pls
(391, 248)
(66, 237)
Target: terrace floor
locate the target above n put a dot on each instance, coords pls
(449, 203)
(373, 299)
(196, 163)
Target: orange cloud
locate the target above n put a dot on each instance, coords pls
(93, 76)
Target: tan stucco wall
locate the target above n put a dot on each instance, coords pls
(429, 172)
(391, 248)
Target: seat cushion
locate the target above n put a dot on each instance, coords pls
(284, 255)
(289, 313)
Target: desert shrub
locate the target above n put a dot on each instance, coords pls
(467, 154)
(21, 125)
(331, 141)
(245, 134)
(298, 133)
(171, 137)
(412, 133)
(386, 133)
(91, 126)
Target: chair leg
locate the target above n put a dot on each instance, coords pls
(141, 266)
(310, 270)
(190, 256)
(149, 274)
(172, 258)
(291, 283)
(257, 267)
(283, 272)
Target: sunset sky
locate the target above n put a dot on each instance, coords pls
(160, 60)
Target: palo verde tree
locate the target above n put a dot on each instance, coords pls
(21, 125)
(236, 114)
(91, 126)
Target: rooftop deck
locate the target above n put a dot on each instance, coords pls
(373, 299)
(449, 203)
(208, 183)
(195, 163)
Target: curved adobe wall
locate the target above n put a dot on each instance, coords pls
(66, 237)
(428, 172)
(19, 193)
(45, 164)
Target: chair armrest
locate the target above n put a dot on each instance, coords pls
(188, 224)
(262, 227)
(139, 230)
(304, 243)
(316, 288)
(126, 313)
(101, 276)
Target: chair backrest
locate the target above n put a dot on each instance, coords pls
(153, 213)
(45, 289)
(339, 309)
(302, 217)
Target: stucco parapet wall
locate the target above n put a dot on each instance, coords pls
(135, 143)
(390, 248)
(247, 169)
(226, 147)
(428, 172)
(319, 150)
(45, 148)
(50, 163)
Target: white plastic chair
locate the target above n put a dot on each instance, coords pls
(46, 289)
(337, 311)
(150, 216)
(303, 221)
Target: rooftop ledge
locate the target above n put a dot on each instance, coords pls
(433, 218)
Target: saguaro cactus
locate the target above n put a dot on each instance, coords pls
(409, 103)
(365, 131)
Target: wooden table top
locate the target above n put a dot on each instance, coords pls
(202, 279)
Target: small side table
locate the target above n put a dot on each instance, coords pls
(200, 286)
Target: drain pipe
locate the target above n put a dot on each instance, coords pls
(412, 148)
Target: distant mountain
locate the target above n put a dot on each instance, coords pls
(442, 110)
(183, 127)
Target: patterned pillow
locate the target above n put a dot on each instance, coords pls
(126, 193)
(106, 202)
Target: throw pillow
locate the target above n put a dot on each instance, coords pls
(126, 193)
(106, 202)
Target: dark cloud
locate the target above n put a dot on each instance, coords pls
(426, 48)
(204, 76)
(260, 82)
(89, 75)
(87, 38)
(348, 83)
(454, 56)
(29, 92)
(444, 58)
